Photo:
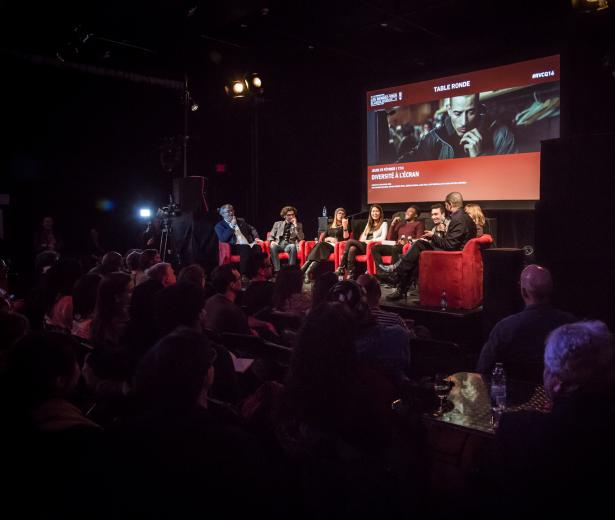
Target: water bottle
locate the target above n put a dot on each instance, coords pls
(324, 211)
(498, 391)
(443, 301)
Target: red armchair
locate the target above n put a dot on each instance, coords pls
(333, 257)
(459, 273)
(224, 254)
(284, 256)
(367, 258)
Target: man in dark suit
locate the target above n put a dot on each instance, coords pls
(460, 230)
(242, 237)
(285, 235)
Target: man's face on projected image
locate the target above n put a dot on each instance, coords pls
(464, 114)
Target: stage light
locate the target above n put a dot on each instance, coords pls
(145, 213)
(194, 107)
(590, 6)
(238, 87)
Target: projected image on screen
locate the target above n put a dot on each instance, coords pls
(479, 133)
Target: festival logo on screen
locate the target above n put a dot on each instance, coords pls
(382, 99)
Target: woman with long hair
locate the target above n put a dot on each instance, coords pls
(375, 229)
(337, 232)
(476, 214)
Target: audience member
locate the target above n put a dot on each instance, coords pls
(373, 292)
(193, 274)
(85, 293)
(133, 259)
(321, 288)
(518, 340)
(221, 312)
(175, 449)
(111, 311)
(556, 462)
(57, 294)
(46, 237)
(111, 262)
(288, 295)
(148, 258)
(258, 296)
(385, 348)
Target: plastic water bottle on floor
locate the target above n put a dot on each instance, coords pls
(324, 211)
(443, 301)
(498, 392)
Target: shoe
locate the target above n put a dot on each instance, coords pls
(397, 295)
(389, 268)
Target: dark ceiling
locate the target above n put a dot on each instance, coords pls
(214, 39)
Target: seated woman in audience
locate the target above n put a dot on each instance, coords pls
(476, 214)
(148, 258)
(84, 302)
(375, 229)
(337, 232)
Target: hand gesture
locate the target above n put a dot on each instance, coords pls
(294, 221)
(234, 221)
(395, 221)
(345, 222)
(428, 234)
(472, 142)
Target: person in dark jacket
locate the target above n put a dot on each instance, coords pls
(460, 230)
(242, 237)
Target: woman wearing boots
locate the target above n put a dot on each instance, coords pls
(337, 232)
(376, 229)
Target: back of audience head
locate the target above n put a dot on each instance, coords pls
(353, 296)
(225, 278)
(259, 267)
(60, 279)
(536, 284)
(322, 286)
(323, 363)
(162, 272)
(193, 274)
(288, 282)
(176, 373)
(580, 359)
(178, 305)
(133, 259)
(85, 293)
(112, 302)
(12, 327)
(42, 366)
(148, 258)
(372, 289)
(111, 262)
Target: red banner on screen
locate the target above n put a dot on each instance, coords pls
(502, 177)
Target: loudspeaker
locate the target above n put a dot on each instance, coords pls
(501, 293)
(189, 193)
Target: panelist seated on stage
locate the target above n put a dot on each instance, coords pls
(285, 235)
(242, 237)
(400, 233)
(461, 229)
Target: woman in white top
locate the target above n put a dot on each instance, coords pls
(375, 230)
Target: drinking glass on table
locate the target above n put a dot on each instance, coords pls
(442, 388)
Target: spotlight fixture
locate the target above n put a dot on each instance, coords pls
(194, 106)
(251, 84)
(145, 213)
(589, 6)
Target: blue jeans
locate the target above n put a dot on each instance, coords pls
(279, 247)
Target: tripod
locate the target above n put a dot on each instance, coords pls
(166, 233)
